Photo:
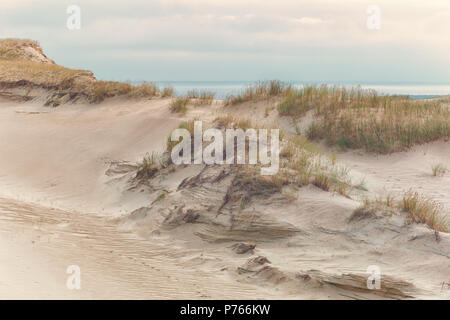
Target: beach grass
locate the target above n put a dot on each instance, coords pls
(356, 118)
(258, 91)
(301, 161)
(418, 209)
(201, 97)
(179, 105)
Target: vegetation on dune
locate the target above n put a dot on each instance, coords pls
(148, 167)
(167, 92)
(445, 99)
(201, 97)
(100, 90)
(193, 97)
(424, 210)
(304, 164)
(40, 74)
(438, 170)
(356, 118)
(21, 67)
(17, 65)
(419, 209)
(11, 49)
(230, 122)
(189, 126)
(258, 91)
(301, 162)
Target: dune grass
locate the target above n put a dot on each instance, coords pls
(42, 74)
(301, 161)
(194, 97)
(189, 126)
(10, 49)
(179, 105)
(438, 170)
(201, 97)
(356, 118)
(231, 122)
(148, 167)
(18, 70)
(421, 209)
(260, 90)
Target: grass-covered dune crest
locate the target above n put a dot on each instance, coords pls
(27, 73)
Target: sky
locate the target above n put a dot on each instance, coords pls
(247, 40)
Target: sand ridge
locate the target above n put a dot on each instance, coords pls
(65, 177)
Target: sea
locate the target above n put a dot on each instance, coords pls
(222, 89)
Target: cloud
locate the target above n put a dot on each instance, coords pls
(244, 35)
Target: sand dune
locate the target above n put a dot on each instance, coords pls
(65, 193)
(58, 157)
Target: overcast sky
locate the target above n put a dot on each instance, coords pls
(304, 40)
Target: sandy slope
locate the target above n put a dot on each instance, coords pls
(56, 205)
(398, 172)
(58, 156)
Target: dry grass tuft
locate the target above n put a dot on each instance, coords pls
(100, 90)
(423, 210)
(179, 105)
(438, 170)
(201, 97)
(148, 167)
(144, 90)
(231, 122)
(167, 92)
(419, 209)
(23, 63)
(301, 161)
